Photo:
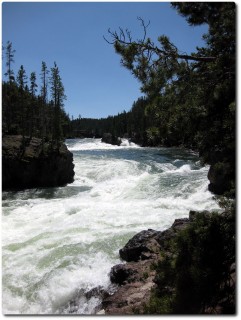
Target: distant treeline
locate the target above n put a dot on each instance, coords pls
(132, 124)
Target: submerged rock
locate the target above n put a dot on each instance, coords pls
(86, 302)
(29, 163)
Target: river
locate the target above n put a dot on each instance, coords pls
(61, 242)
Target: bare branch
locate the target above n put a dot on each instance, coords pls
(144, 27)
(149, 48)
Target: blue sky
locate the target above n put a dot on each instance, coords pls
(71, 33)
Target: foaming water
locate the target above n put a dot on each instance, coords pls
(59, 243)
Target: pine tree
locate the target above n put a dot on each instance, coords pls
(21, 78)
(33, 89)
(191, 97)
(9, 54)
(44, 96)
(23, 116)
(58, 97)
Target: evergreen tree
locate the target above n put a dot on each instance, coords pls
(58, 97)
(9, 54)
(21, 78)
(26, 113)
(22, 101)
(44, 78)
(33, 85)
(44, 95)
(191, 97)
(33, 89)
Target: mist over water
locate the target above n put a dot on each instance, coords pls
(59, 242)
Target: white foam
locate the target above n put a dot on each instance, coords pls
(54, 247)
(96, 144)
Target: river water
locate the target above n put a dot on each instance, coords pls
(61, 242)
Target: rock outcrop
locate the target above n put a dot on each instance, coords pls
(136, 277)
(220, 176)
(29, 163)
(111, 139)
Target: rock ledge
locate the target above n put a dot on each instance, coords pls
(29, 163)
(135, 279)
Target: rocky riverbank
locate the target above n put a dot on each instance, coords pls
(29, 163)
(137, 277)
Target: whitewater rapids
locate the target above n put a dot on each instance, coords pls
(58, 242)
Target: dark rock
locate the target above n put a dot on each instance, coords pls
(29, 163)
(164, 237)
(141, 243)
(220, 177)
(120, 273)
(111, 139)
(81, 298)
(135, 292)
(137, 277)
(180, 224)
(99, 292)
(193, 214)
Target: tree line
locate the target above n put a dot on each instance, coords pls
(30, 112)
(132, 124)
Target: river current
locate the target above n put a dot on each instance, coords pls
(59, 242)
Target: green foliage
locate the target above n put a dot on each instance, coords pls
(9, 55)
(195, 276)
(190, 98)
(152, 135)
(26, 113)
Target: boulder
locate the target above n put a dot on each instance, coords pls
(88, 302)
(137, 247)
(220, 176)
(29, 163)
(111, 139)
(120, 273)
(136, 278)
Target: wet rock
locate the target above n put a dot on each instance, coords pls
(29, 163)
(141, 243)
(120, 273)
(86, 302)
(136, 278)
(111, 139)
